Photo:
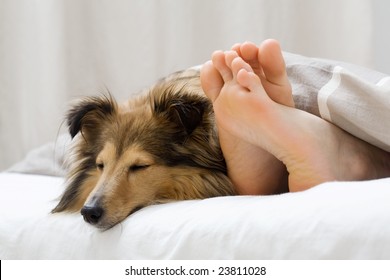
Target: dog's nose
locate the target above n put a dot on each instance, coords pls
(92, 214)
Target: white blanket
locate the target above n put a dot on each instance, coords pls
(331, 221)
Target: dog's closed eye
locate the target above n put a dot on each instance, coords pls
(100, 166)
(138, 167)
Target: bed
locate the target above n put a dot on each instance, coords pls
(334, 220)
(342, 220)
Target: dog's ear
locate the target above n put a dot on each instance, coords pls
(89, 114)
(186, 110)
(187, 113)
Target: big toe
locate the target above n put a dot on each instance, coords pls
(211, 80)
(272, 62)
(276, 82)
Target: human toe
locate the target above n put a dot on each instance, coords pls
(211, 80)
(219, 62)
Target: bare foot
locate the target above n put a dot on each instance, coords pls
(252, 169)
(295, 137)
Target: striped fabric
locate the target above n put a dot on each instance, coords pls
(354, 98)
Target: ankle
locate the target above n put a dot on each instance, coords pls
(368, 163)
(358, 168)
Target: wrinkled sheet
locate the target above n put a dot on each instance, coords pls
(339, 220)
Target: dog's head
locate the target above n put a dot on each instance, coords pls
(159, 147)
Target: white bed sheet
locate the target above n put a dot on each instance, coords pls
(340, 220)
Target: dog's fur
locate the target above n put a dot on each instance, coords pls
(160, 146)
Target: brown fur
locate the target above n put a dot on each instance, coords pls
(158, 147)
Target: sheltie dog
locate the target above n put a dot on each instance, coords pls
(157, 147)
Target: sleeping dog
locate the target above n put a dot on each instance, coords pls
(157, 147)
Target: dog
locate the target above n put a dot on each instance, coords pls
(157, 147)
